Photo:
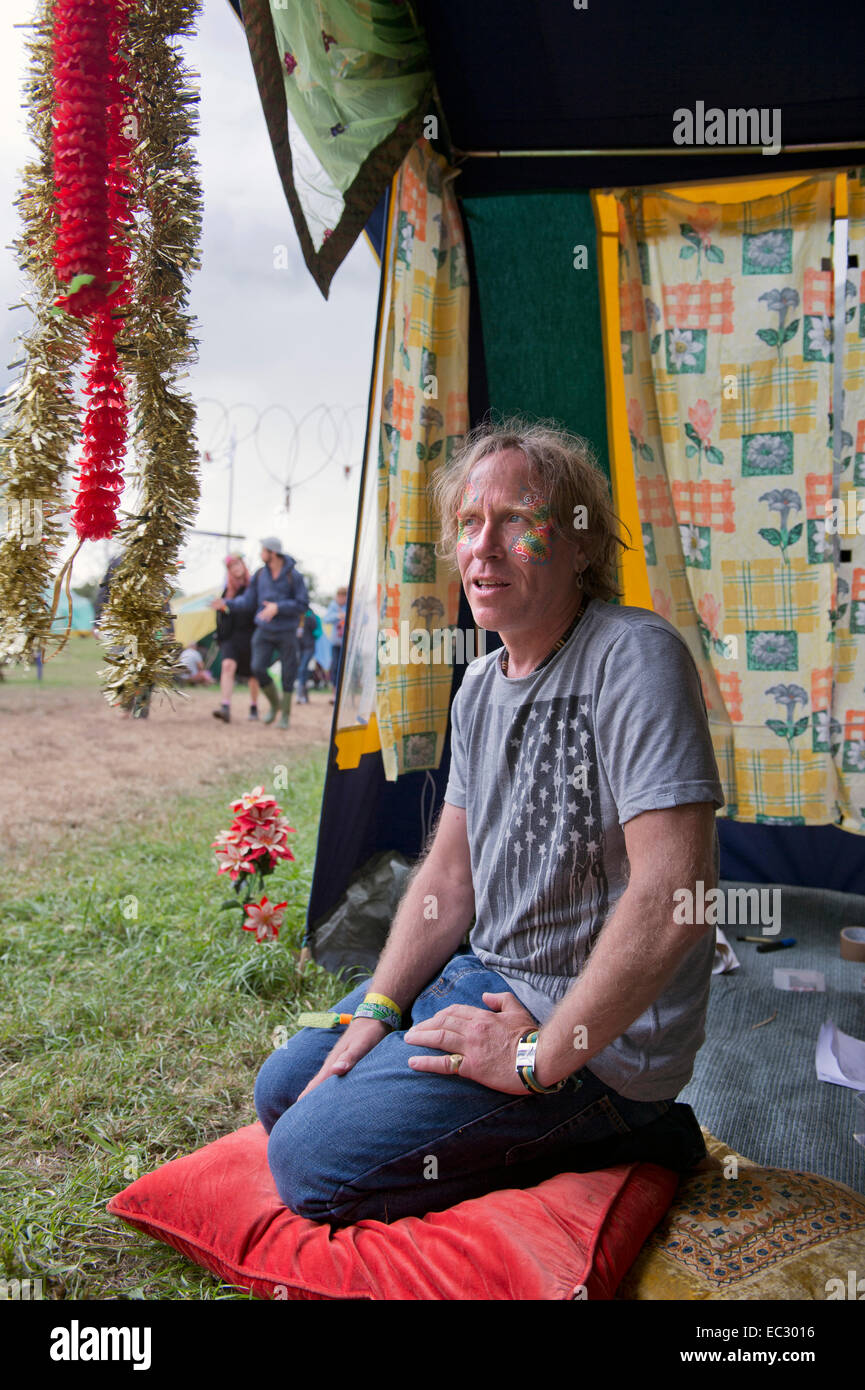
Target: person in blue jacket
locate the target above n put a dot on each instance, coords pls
(278, 596)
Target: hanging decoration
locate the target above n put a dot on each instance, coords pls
(157, 347)
(111, 210)
(91, 255)
(40, 412)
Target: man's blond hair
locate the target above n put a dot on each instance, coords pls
(564, 468)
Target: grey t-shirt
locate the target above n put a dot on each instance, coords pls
(549, 767)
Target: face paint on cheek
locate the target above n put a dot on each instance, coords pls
(535, 546)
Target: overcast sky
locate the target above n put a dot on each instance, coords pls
(266, 335)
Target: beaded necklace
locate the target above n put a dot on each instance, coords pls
(558, 646)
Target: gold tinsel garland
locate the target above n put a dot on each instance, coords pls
(40, 412)
(156, 347)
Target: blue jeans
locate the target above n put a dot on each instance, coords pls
(264, 644)
(306, 655)
(335, 663)
(385, 1141)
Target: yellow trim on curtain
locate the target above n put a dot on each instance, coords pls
(633, 574)
(351, 744)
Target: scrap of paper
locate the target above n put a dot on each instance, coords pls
(725, 957)
(800, 981)
(840, 1058)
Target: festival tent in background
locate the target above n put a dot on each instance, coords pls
(195, 620)
(82, 614)
(521, 254)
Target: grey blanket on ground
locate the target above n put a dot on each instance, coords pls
(757, 1088)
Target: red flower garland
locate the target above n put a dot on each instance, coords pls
(91, 258)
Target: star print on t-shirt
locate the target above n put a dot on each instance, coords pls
(553, 852)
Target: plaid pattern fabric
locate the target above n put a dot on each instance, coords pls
(413, 202)
(680, 599)
(773, 786)
(402, 408)
(423, 417)
(653, 498)
(854, 724)
(847, 651)
(705, 504)
(731, 379)
(665, 390)
(704, 305)
(821, 688)
(817, 292)
(771, 398)
(631, 306)
(848, 706)
(818, 490)
(730, 687)
(757, 594)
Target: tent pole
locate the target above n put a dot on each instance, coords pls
(654, 150)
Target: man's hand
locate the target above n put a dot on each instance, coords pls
(267, 611)
(359, 1038)
(486, 1038)
(219, 604)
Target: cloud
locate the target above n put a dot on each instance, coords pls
(266, 335)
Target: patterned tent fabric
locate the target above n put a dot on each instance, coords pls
(727, 346)
(424, 417)
(847, 729)
(345, 86)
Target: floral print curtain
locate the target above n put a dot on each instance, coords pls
(845, 730)
(727, 346)
(424, 417)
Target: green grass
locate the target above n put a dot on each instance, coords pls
(74, 668)
(133, 1020)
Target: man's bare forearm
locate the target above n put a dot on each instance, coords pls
(431, 921)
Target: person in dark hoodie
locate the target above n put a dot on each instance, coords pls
(278, 597)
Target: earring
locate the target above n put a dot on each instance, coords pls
(579, 580)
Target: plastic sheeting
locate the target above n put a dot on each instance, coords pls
(352, 937)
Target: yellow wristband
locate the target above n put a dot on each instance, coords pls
(383, 999)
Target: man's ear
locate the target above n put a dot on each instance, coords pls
(579, 558)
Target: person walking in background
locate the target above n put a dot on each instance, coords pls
(308, 633)
(334, 620)
(234, 634)
(278, 597)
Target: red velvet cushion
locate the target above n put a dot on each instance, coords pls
(219, 1207)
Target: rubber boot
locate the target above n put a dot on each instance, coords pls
(286, 710)
(270, 692)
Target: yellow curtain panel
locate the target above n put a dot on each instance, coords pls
(424, 417)
(727, 333)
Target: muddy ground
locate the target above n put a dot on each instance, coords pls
(71, 763)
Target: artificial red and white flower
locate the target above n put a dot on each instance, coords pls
(250, 850)
(265, 919)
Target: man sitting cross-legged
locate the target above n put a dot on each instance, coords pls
(581, 795)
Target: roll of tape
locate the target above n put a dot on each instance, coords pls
(853, 943)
